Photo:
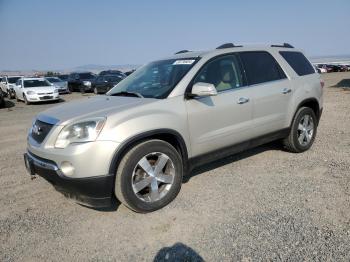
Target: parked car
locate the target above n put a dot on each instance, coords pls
(334, 68)
(80, 82)
(102, 84)
(321, 69)
(2, 100)
(129, 72)
(60, 84)
(171, 115)
(31, 90)
(343, 68)
(63, 77)
(112, 72)
(8, 84)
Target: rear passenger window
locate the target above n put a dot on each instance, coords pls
(298, 62)
(261, 67)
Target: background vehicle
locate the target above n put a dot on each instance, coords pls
(32, 90)
(321, 69)
(60, 84)
(8, 84)
(2, 100)
(102, 84)
(63, 77)
(127, 73)
(112, 72)
(80, 82)
(173, 114)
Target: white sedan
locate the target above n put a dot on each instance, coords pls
(35, 90)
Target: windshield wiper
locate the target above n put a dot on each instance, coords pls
(125, 93)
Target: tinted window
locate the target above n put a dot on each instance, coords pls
(86, 76)
(113, 78)
(298, 62)
(12, 80)
(36, 83)
(223, 72)
(261, 67)
(53, 79)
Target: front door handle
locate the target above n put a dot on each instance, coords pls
(242, 100)
(286, 90)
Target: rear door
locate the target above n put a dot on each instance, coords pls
(271, 91)
(225, 119)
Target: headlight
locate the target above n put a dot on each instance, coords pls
(84, 131)
(87, 83)
(56, 91)
(30, 93)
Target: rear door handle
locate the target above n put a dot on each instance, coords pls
(286, 90)
(242, 100)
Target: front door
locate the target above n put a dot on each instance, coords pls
(225, 119)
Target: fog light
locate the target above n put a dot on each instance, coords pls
(67, 168)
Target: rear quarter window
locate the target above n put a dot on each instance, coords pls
(298, 62)
(261, 67)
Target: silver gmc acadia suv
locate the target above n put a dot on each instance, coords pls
(136, 143)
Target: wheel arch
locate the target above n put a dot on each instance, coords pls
(311, 103)
(168, 135)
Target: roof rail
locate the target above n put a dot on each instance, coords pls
(182, 51)
(227, 45)
(285, 45)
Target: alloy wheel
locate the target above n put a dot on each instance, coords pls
(153, 176)
(305, 130)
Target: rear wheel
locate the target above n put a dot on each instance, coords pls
(303, 131)
(149, 176)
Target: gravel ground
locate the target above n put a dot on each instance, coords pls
(263, 204)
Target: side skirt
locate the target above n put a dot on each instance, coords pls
(234, 149)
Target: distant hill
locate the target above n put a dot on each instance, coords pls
(91, 67)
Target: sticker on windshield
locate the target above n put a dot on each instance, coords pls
(184, 62)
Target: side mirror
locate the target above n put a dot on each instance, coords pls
(202, 89)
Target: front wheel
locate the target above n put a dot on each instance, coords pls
(26, 100)
(303, 131)
(149, 176)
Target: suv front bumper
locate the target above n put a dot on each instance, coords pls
(92, 191)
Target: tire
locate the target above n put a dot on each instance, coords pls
(25, 100)
(292, 143)
(129, 169)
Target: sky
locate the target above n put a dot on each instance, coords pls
(52, 34)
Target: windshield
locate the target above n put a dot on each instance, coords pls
(12, 80)
(156, 79)
(63, 77)
(113, 78)
(36, 83)
(86, 76)
(53, 79)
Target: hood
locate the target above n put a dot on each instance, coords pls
(97, 106)
(41, 89)
(60, 84)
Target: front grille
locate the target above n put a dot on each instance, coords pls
(40, 130)
(45, 93)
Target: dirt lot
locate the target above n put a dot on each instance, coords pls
(262, 204)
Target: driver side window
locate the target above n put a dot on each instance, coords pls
(224, 73)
